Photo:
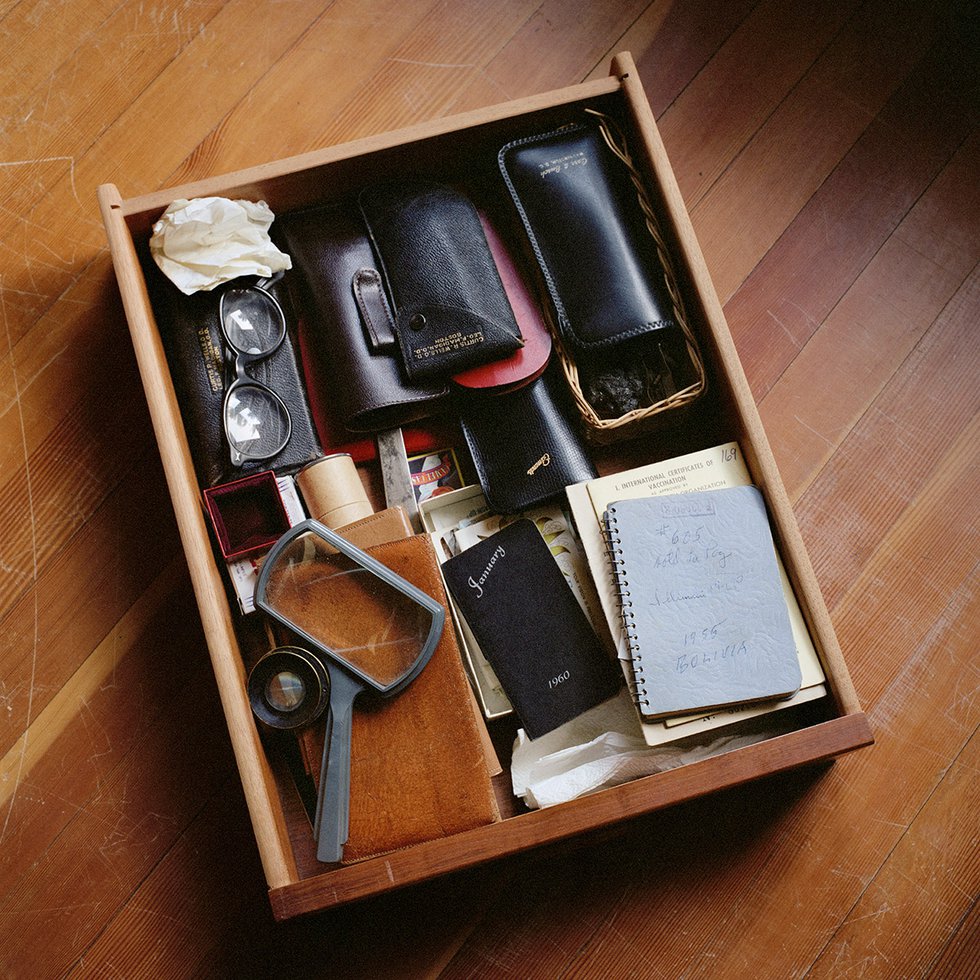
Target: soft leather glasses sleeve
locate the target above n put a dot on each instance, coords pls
(450, 309)
(192, 339)
(524, 447)
(580, 211)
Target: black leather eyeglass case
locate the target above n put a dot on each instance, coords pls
(580, 211)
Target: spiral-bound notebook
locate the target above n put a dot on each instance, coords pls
(702, 602)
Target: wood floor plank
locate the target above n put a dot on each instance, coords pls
(932, 876)
(893, 610)
(360, 36)
(793, 289)
(421, 77)
(874, 328)
(48, 242)
(671, 43)
(80, 593)
(743, 85)
(54, 376)
(56, 119)
(139, 810)
(545, 52)
(52, 130)
(898, 304)
(893, 604)
(59, 762)
(7, 6)
(57, 30)
(886, 461)
(212, 876)
(202, 910)
(66, 444)
(960, 955)
(746, 210)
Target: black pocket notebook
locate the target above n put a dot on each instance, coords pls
(531, 628)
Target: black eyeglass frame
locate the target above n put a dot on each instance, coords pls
(241, 361)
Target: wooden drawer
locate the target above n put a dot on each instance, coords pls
(455, 148)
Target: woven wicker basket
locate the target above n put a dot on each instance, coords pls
(606, 430)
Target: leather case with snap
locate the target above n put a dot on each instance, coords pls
(346, 323)
(450, 311)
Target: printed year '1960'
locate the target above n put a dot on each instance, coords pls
(559, 679)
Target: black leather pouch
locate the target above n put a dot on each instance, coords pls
(450, 309)
(580, 212)
(191, 334)
(347, 324)
(524, 445)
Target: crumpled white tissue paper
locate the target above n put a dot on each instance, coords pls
(206, 241)
(602, 747)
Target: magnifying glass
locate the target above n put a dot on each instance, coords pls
(375, 631)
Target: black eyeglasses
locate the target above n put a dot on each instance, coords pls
(257, 422)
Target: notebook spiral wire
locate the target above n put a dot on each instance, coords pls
(622, 590)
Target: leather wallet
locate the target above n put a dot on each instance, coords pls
(524, 447)
(359, 364)
(390, 524)
(449, 311)
(586, 229)
(192, 339)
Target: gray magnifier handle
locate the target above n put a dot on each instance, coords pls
(333, 801)
(374, 631)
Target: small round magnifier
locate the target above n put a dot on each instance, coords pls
(374, 631)
(288, 688)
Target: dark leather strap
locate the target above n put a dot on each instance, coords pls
(375, 311)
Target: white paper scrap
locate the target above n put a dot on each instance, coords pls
(602, 747)
(207, 241)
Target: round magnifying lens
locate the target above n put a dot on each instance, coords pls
(285, 691)
(289, 687)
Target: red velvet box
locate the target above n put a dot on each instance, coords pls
(247, 515)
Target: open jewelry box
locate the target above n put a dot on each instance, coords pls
(448, 149)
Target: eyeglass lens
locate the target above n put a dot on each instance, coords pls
(256, 421)
(253, 324)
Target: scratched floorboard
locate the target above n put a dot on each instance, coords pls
(830, 157)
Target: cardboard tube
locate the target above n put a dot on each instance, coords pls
(333, 492)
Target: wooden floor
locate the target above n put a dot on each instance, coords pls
(829, 155)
